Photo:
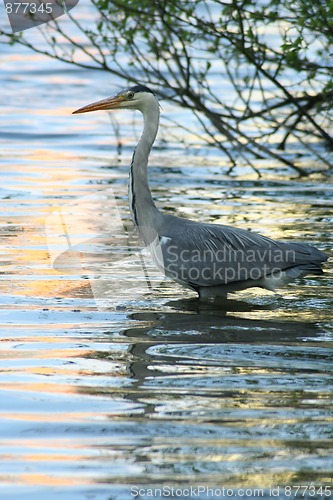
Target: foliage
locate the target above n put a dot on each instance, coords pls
(274, 58)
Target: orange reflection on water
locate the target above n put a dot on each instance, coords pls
(47, 480)
(47, 417)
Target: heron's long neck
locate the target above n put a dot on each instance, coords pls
(142, 206)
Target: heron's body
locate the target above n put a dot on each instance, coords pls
(211, 259)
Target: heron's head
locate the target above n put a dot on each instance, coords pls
(132, 98)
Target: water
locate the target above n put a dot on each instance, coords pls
(111, 380)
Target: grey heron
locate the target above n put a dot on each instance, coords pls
(211, 259)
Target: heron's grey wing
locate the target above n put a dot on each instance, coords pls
(210, 254)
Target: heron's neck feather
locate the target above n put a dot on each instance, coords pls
(142, 206)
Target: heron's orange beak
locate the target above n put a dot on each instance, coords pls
(109, 103)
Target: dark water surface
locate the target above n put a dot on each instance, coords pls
(112, 378)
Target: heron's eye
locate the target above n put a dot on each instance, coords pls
(130, 95)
